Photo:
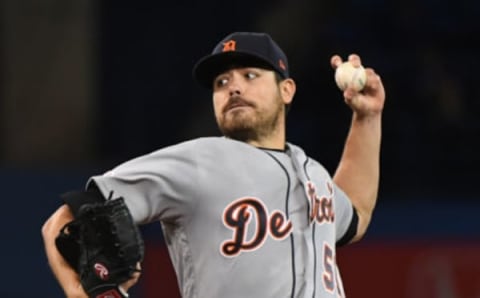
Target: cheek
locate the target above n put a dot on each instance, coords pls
(269, 99)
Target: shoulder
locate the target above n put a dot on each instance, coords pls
(299, 155)
(192, 150)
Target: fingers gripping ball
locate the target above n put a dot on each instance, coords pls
(346, 74)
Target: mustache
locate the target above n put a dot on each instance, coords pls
(235, 101)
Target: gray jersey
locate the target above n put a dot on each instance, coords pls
(239, 221)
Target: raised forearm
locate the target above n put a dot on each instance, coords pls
(359, 168)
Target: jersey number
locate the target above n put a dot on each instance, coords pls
(330, 275)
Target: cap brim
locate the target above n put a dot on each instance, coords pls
(211, 66)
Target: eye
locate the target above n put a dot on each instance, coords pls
(221, 81)
(251, 75)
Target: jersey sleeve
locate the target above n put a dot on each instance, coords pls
(156, 186)
(346, 219)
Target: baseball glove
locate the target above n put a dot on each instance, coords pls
(107, 247)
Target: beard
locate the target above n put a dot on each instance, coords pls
(251, 124)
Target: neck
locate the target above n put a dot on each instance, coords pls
(275, 140)
(268, 145)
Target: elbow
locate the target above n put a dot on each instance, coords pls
(364, 208)
(47, 228)
(52, 226)
(363, 224)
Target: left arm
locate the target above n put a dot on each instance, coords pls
(359, 169)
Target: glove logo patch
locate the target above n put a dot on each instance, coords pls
(101, 271)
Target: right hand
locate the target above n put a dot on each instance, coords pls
(369, 101)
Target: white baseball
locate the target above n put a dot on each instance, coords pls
(347, 74)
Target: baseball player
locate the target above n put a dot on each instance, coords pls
(246, 214)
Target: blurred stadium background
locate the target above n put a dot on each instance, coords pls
(85, 85)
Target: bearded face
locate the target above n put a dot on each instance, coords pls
(246, 121)
(248, 105)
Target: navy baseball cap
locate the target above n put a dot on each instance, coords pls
(247, 49)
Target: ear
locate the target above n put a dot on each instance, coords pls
(287, 90)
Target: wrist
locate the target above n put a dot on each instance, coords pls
(372, 117)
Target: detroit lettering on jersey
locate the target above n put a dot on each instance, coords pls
(245, 213)
(321, 206)
(239, 221)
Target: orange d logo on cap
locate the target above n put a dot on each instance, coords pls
(229, 45)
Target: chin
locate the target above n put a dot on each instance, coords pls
(245, 137)
(238, 121)
(240, 133)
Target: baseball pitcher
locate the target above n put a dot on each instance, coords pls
(245, 214)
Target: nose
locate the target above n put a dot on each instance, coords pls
(233, 91)
(235, 85)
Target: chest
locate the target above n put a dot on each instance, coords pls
(253, 201)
